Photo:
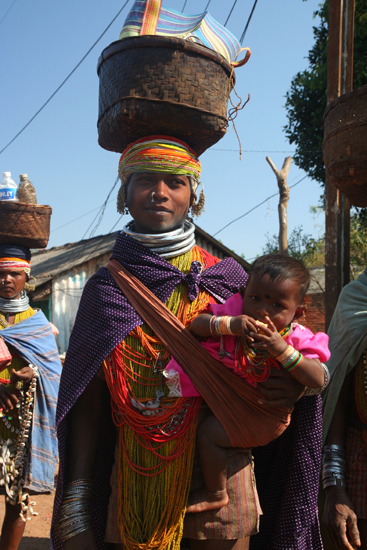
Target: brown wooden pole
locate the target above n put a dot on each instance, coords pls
(337, 208)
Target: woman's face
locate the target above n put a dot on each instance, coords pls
(158, 202)
(11, 284)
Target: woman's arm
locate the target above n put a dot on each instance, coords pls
(280, 389)
(81, 446)
(338, 514)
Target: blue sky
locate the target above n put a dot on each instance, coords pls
(41, 41)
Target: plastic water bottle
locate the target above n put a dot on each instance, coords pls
(8, 188)
(26, 191)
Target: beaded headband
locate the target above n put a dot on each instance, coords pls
(160, 154)
(15, 264)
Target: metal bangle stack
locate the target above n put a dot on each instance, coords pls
(333, 466)
(75, 510)
(316, 391)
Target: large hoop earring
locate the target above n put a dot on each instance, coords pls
(30, 287)
(197, 208)
(121, 200)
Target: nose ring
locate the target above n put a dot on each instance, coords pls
(152, 199)
(3, 282)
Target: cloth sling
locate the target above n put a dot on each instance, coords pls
(232, 400)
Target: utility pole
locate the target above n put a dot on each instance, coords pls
(337, 207)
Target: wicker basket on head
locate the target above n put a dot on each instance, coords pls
(24, 224)
(162, 85)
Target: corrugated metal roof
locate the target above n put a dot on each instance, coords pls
(47, 264)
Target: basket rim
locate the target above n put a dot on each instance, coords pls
(168, 42)
(24, 207)
(362, 90)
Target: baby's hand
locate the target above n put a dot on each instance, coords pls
(243, 325)
(267, 338)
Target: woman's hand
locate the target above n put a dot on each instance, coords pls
(82, 541)
(280, 389)
(340, 519)
(8, 398)
(24, 375)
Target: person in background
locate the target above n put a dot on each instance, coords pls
(29, 378)
(344, 472)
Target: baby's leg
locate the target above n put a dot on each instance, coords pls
(212, 443)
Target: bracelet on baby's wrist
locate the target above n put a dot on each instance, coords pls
(220, 325)
(290, 359)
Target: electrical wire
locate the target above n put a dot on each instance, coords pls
(253, 151)
(100, 213)
(64, 81)
(8, 10)
(79, 217)
(248, 22)
(230, 13)
(257, 206)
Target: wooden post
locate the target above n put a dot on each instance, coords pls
(281, 176)
(337, 219)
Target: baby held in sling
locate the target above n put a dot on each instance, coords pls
(251, 333)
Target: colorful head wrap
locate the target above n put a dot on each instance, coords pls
(15, 258)
(160, 154)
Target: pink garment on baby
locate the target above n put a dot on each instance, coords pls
(314, 346)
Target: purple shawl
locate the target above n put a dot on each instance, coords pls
(104, 319)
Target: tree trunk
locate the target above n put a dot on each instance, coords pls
(281, 176)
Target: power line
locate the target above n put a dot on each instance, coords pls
(230, 13)
(248, 22)
(267, 151)
(8, 10)
(66, 79)
(257, 206)
(78, 218)
(100, 213)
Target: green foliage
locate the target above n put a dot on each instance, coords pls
(306, 99)
(303, 247)
(312, 251)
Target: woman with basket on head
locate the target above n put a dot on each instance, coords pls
(29, 377)
(128, 487)
(126, 446)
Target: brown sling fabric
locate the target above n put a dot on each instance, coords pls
(232, 400)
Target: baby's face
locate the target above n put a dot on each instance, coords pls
(277, 300)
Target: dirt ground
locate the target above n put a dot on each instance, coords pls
(37, 531)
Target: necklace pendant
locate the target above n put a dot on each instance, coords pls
(223, 353)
